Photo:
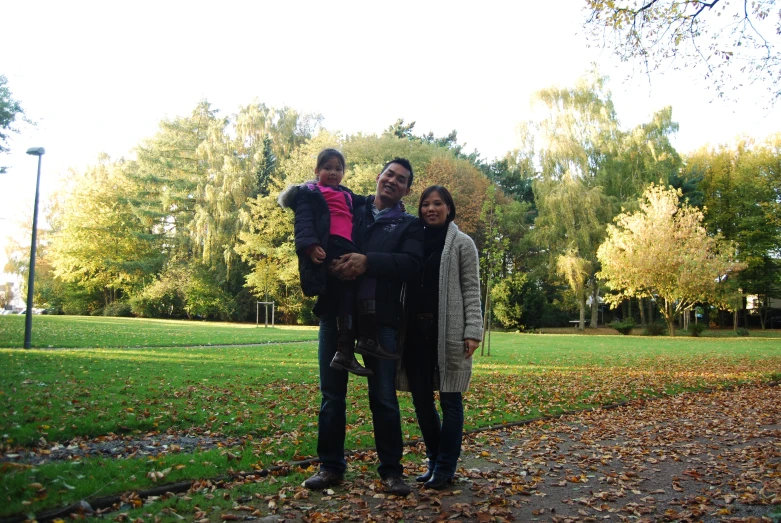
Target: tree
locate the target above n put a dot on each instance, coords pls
(645, 156)
(267, 244)
(449, 142)
(515, 172)
(580, 129)
(466, 183)
(518, 302)
(720, 36)
(571, 224)
(102, 243)
(581, 134)
(10, 109)
(741, 186)
(663, 252)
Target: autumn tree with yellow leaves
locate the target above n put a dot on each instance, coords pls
(663, 252)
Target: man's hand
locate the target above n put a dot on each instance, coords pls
(316, 254)
(349, 266)
(470, 346)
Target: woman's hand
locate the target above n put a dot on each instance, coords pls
(470, 346)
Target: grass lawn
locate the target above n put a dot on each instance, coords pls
(99, 331)
(266, 397)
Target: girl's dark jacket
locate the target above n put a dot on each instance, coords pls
(312, 226)
(393, 245)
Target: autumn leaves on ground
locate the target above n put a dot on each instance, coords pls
(233, 423)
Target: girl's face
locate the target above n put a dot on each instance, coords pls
(330, 173)
(434, 210)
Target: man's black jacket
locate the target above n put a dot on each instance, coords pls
(393, 245)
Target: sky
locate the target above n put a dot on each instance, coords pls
(98, 77)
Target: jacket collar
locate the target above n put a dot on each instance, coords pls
(393, 212)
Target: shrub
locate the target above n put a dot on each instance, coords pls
(655, 329)
(741, 332)
(163, 298)
(624, 327)
(695, 329)
(96, 312)
(118, 308)
(518, 302)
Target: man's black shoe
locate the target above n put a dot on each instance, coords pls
(438, 482)
(395, 485)
(369, 347)
(322, 480)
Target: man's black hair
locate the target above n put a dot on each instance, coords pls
(404, 163)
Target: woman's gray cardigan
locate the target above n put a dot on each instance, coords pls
(460, 315)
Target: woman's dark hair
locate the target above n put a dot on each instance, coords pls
(446, 197)
(327, 154)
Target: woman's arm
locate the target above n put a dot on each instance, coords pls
(470, 289)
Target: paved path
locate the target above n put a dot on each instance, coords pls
(712, 456)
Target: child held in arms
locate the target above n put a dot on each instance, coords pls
(323, 233)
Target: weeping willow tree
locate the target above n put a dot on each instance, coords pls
(571, 224)
(576, 271)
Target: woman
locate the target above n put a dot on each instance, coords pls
(446, 326)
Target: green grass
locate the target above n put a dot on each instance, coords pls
(88, 331)
(266, 397)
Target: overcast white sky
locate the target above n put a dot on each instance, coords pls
(99, 76)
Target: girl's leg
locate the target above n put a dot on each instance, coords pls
(345, 341)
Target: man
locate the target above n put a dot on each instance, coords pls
(392, 245)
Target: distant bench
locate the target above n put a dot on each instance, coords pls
(574, 323)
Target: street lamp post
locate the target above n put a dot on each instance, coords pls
(28, 320)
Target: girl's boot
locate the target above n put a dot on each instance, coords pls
(345, 352)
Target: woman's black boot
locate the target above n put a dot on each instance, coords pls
(427, 475)
(438, 482)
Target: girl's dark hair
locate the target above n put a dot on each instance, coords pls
(446, 197)
(327, 154)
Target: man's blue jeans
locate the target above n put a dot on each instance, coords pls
(333, 406)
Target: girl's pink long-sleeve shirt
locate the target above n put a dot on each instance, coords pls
(341, 217)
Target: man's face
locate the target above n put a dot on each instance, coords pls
(392, 184)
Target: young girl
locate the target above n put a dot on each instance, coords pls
(323, 232)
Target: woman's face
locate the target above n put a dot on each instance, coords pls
(434, 210)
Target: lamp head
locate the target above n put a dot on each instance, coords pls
(36, 151)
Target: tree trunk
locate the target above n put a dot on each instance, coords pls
(650, 318)
(670, 317)
(594, 303)
(640, 303)
(629, 308)
(582, 324)
(485, 317)
(735, 320)
(490, 320)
